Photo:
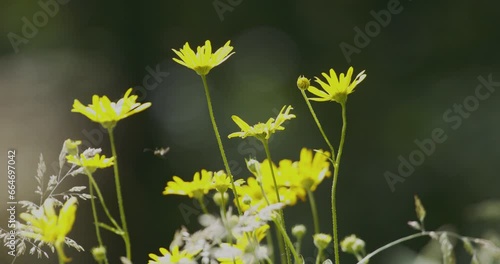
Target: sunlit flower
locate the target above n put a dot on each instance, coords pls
(108, 113)
(336, 89)
(171, 257)
(262, 131)
(91, 163)
(201, 185)
(203, 60)
(45, 225)
(252, 192)
(221, 181)
(312, 169)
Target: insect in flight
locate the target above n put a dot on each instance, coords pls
(160, 152)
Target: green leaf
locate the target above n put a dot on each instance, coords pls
(419, 209)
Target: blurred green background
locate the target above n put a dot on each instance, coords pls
(421, 63)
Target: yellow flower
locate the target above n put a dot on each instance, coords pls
(197, 188)
(45, 225)
(93, 163)
(294, 179)
(336, 89)
(312, 169)
(262, 131)
(221, 182)
(170, 257)
(108, 113)
(203, 60)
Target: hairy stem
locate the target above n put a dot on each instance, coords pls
(336, 167)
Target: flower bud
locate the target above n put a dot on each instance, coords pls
(353, 245)
(303, 83)
(99, 254)
(218, 198)
(247, 199)
(321, 240)
(72, 146)
(253, 166)
(299, 231)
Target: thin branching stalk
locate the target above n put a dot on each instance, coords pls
(94, 214)
(311, 109)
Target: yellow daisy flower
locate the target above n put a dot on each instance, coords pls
(93, 163)
(108, 113)
(262, 131)
(312, 169)
(203, 60)
(171, 257)
(201, 184)
(221, 181)
(45, 225)
(336, 89)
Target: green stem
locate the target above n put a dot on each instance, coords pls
(219, 142)
(60, 253)
(314, 211)
(93, 183)
(269, 240)
(288, 242)
(94, 214)
(298, 245)
(268, 154)
(479, 241)
(282, 218)
(319, 256)
(281, 244)
(224, 218)
(126, 237)
(336, 167)
(202, 205)
(395, 242)
(332, 150)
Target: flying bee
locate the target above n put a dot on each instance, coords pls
(160, 152)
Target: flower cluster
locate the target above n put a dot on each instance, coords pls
(201, 184)
(262, 131)
(294, 180)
